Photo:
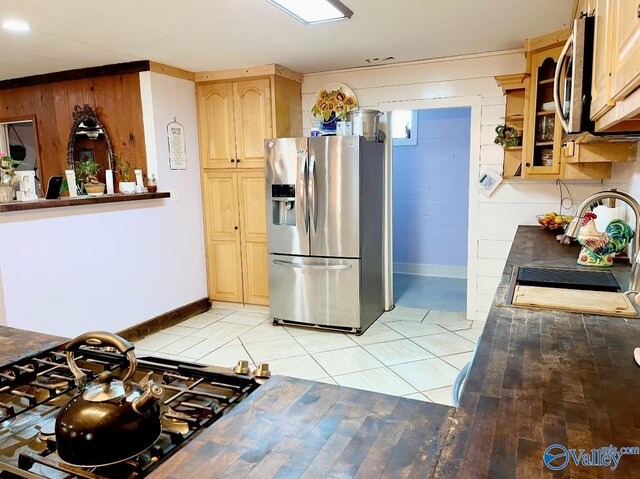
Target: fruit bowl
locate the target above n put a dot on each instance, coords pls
(552, 221)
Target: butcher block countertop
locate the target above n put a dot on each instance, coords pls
(546, 377)
(292, 428)
(17, 343)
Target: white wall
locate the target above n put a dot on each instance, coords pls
(115, 265)
(451, 82)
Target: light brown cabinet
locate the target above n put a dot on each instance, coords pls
(625, 61)
(544, 153)
(601, 79)
(236, 113)
(235, 118)
(222, 229)
(542, 136)
(615, 93)
(236, 236)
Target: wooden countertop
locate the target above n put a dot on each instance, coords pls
(546, 377)
(79, 201)
(17, 343)
(296, 428)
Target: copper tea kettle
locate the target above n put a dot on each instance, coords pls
(110, 420)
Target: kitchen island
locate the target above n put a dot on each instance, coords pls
(539, 378)
(18, 343)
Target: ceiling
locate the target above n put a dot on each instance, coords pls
(221, 34)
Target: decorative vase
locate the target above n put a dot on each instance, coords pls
(127, 187)
(330, 125)
(94, 189)
(6, 193)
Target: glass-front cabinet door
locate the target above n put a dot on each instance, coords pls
(543, 131)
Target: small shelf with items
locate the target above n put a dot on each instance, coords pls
(514, 87)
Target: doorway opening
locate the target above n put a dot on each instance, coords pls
(431, 153)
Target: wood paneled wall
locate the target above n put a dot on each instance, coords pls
(115, 98)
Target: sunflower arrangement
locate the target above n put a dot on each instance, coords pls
(334, 103)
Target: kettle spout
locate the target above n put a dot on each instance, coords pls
(143, 404)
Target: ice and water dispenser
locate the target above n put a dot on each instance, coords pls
(283, 203)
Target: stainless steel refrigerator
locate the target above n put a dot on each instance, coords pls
(325, 231)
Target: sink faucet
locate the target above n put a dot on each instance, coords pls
(634, 253)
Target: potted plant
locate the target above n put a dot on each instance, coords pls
(8, 177)
(86, 171)
(124, 170)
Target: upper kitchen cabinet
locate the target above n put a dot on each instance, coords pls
(542, 134)
(252, 119)
(601, 77)
(216, 127)
(235, 118)
(615, 93)
(239, 109)
(625, 65)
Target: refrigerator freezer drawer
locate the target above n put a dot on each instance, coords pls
(322, 291)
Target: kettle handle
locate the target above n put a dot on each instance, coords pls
(99, 338)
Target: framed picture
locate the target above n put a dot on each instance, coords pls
(85, 154)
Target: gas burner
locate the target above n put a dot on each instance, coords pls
(53, 381)
(33, 390)
(6, 416)
(47, 430)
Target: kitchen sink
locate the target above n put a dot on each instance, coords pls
(588, 292)
(565, 278)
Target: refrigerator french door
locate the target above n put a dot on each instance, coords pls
(325, 231)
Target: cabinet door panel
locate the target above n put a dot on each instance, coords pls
(216, 125)
(253, 228)
(256, 273)
(222, 220)
(252, 114)
(221, 207)
(601, 77)
(225, 278)
(541, 92)
(625, 68)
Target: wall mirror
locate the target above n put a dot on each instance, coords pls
(18, 139)
(89, 140)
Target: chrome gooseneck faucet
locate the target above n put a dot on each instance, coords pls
(574, 227)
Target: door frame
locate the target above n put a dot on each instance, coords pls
(475, 104)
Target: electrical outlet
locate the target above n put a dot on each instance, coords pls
(174, 195)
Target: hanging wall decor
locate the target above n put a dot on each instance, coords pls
(177, 149)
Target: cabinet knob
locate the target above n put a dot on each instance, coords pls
(235, 227)
(639, 10)
(232, 160)
(528, 165)
(238, 160)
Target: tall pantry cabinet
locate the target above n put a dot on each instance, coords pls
(237, 111)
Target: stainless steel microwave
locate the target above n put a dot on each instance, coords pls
(572, 87)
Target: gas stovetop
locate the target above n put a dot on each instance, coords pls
(34, 389)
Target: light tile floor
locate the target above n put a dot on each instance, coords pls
(410, 352)
(430, 292)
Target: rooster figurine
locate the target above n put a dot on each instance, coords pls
(598, 248)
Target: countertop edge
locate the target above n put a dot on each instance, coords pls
(79, 201)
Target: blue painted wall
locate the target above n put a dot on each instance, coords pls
(431, 191)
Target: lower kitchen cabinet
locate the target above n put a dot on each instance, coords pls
(236, 236)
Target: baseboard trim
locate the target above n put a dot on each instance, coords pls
(431, 270)
(166, 320)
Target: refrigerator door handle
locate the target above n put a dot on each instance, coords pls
(313, 210)
(305, 197)
(311, 266)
